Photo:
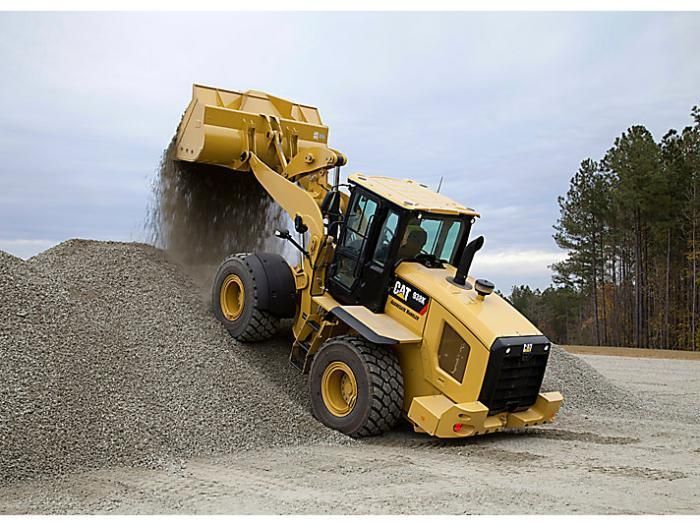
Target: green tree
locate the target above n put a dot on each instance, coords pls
(580, 230)
(690, 153)
(630, 224)
(638, 183)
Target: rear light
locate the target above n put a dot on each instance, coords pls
(457, 427)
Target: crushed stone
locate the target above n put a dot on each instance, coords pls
(109, 356)
(586, 390)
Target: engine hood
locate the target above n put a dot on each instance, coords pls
(487, 319)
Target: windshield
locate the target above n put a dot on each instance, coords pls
(434, 236)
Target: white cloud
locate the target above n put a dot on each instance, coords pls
(523, 262)
(514, 267)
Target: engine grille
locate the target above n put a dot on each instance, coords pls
(514, 373)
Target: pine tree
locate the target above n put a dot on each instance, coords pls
(690, 147)
(630, 224)
(635, 162)
(580, 230)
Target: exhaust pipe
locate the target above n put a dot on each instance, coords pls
(466, 261)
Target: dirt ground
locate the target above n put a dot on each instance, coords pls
(633, 352)
(580, 464)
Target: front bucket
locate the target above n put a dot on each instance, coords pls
(219, 126)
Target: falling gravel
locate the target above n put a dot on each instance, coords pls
(201, 213)
(108, 356)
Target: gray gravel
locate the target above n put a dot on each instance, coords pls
(585, 389)
(108, 356)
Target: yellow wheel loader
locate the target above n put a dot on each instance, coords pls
(387, 322)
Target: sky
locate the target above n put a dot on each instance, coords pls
(502, 106)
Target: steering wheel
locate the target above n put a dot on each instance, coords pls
(428, 260)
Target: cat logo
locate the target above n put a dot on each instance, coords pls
(409, 295)
(527, 348)
(401, 290)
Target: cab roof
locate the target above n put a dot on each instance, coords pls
(411, 195)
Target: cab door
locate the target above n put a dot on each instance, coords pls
(356, 241)
(379, 268)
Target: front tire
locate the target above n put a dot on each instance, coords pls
(356, 386)
(236, 303)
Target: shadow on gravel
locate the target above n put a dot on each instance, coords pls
(271, 359)
(405, 436)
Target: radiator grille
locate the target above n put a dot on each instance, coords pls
(514, 374)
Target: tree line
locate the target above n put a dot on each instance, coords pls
(630, 224)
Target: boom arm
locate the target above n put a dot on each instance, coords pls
(294, 199)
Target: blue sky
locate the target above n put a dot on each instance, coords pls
(504, 106)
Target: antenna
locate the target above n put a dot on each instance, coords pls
(439, 185)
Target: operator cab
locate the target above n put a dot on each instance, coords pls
(387, 222)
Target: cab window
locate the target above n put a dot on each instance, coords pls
(353, 244)
(361, 216)
(386, 236)
(453, 353)
(436, 236)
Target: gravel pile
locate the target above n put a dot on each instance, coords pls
(108, 356)
(585, 390)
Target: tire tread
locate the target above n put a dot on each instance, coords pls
(386, 385)
(263, 325)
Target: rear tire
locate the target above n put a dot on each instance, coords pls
(356, 386)
(235, 302)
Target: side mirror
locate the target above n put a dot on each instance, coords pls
(299, 225)
(282, 234)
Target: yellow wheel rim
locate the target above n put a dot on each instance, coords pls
(339, 389)
(231, 297)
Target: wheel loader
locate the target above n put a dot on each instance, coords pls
(387, 322)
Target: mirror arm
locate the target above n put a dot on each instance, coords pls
(285, 235)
